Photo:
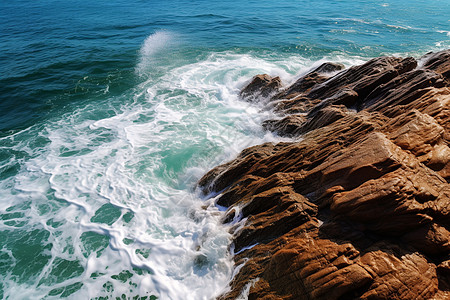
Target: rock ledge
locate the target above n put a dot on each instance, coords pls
(359, 208)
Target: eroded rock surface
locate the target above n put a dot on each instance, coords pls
(359, 207)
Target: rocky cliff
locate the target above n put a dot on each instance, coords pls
(357, 205)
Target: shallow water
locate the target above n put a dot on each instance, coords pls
(111, 111)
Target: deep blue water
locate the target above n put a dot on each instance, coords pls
(110, 111)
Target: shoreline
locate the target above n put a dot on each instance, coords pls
(359, 207)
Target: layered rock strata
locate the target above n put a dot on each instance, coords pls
(357, 205)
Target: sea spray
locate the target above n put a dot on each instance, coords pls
(100, 201)
(160, 42)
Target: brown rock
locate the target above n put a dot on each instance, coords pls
(409, 276)
(294, 105)
(359, 207)
(261, 86)
(363, 79)
(288, 126)
(403, 89)
(312, 79)
(431, 239)
(297, 124)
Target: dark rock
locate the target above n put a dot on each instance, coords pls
(403, 89)
(261, 86)
(310, 80)
(328, 67)
(302, 85)
(288, 126)
(438, 62)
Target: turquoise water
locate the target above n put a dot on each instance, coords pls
(110, 111)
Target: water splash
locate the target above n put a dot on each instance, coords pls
(154, 44)
(104, 194)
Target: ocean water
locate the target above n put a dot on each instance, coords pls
(110, 112)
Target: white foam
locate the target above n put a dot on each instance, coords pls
(246, 290)
(144, 158)
(153, 44)
(245, 248)
(444, 31)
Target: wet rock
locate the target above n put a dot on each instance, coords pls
(358, 205)
(310, 80)
(328, 67)
(261, 86)
(294, 105)
(288, 126)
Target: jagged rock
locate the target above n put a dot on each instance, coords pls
(438, 62)
(329, 67)
(359, 207)
(363, 79)
(352, 86)
(297, 124)
(261, 86)
(288, 126)
(310, 80)
(403, 89)
(294, 105)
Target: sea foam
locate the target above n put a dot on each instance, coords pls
(110, 193)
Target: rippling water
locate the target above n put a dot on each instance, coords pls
(110, 111)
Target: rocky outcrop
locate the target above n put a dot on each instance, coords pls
(262, 86)
(357, 205)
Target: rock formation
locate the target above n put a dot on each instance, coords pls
(357, 205)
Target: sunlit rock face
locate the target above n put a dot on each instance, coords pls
(357, 204)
